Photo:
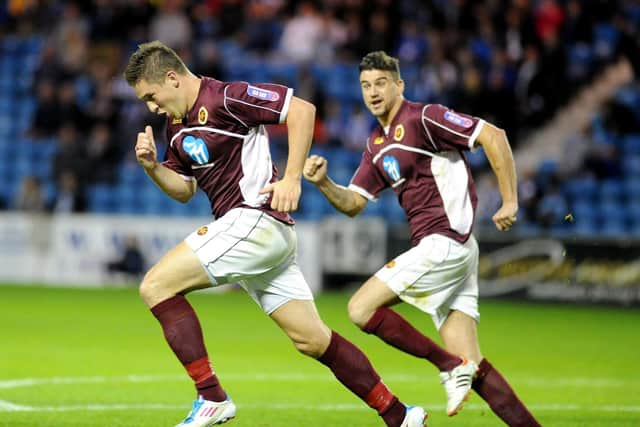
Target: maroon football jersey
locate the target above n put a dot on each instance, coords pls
(222, 143)
(420, 156)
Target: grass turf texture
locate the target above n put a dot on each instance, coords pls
(97, 358)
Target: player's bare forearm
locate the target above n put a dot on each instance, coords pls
(172, 183)
(344, 200)
(300, 122)
(496, 147)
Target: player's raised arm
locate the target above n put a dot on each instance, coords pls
(496, 147)
(168, 180)
(346, 201)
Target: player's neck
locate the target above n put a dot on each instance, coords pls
(388, 118)
(192, 88)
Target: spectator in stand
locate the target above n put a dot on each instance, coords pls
(45, 118)
(71, 155)
(70, 196)
(102, 154)
(131, 261)
(302, 33)
(29, 197)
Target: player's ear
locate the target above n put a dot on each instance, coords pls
(171, 78)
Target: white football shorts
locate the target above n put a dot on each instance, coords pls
(436, 276)
(257, 251)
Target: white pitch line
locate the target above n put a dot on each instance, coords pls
(293, 377)
(6, 406)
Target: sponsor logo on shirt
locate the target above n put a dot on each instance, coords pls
(267, 95)
(398, 133)
(391, 264)
(392, 167)
(202, 230)
(176, 122)
(203, 115)
(196, 149)
(458, 120)
(379, 140)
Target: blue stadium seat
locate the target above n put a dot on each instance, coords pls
(631, 144)
(614, 229)
(631, 165)
(612, 212)
(605, 40)
(580, 188)
(580, 58)
(611, 190)
(584, 211)
(101, 199)
(477, 159)
(585, 227)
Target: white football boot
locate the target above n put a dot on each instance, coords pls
(457, 384)
(415, 417)
(205, 413)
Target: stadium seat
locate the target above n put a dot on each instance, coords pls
(101, 199)
(584, 211)
(611, 190)
(580, 188)
(585, 227)
(631, 165)
(580, 61)
(631, 144)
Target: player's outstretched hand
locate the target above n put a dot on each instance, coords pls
(146, 152)
(506, 216)
(315, 169)
(286, 194)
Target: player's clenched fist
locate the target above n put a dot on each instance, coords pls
(506, 216)
(315, 169)
(146, 153)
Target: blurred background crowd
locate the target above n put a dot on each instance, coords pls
(557, 75)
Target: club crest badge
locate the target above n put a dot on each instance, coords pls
(203, 115)
(176, 121)
(398, 133)
(202, 230)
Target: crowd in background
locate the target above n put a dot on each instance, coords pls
(511, 62)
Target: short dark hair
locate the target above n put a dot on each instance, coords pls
(151, 62)
(379, 60)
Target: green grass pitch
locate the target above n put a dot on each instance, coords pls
(72, 357)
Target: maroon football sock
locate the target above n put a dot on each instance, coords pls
(495, 390)
(184, 335)
(352, 368)
(396, 331)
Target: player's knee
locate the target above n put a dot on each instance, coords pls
(149, 288)
(310, 347)
(358, 313)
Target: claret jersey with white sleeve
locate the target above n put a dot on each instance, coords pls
(421, 157)
(223, 144)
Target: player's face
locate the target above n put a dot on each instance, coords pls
(163, 98)
(381, 92)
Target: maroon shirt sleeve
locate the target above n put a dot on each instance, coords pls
(446, 129)
(256, 104)
(367, 178)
